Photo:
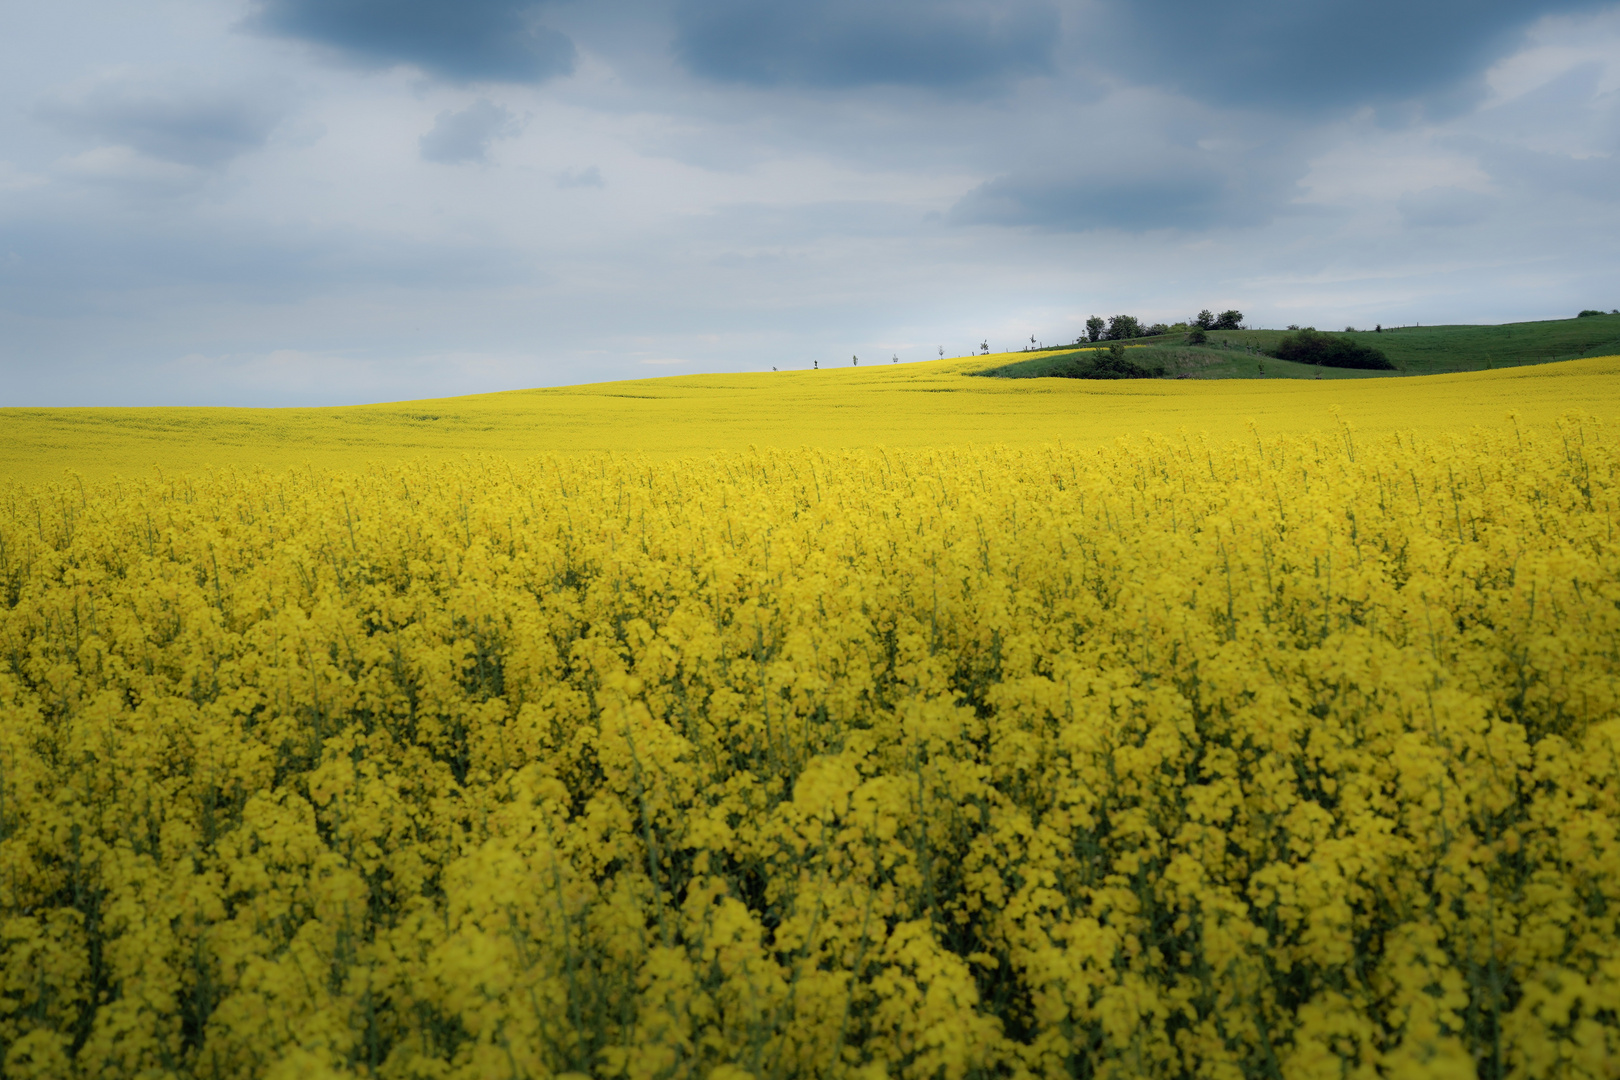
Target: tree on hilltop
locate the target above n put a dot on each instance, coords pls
(1121, 327)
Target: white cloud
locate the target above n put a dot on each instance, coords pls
(590, 176)
(15, 179)
(1556, 45)
(1445, 207)
(125, 167)
(1367, 164)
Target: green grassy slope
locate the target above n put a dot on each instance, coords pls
(1216, 361)
(1415, 350)
(1426, 349)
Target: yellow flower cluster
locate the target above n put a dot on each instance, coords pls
(1294, 757)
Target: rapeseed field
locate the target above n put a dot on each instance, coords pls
(1272, 755)
(934, 404)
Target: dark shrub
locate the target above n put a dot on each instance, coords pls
(1327, 350)
(1229, 320)
(1197, 337)
(1588, 311)
(1109, 365)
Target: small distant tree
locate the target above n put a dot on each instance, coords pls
(895, 359)
(984, 346)
(1198, 336)
(1229, 320)
(854, 361)
(942, 352)
(1158, 328)
(1205, 320)
(1122, 327)
(1095, 328)
(1588, 312)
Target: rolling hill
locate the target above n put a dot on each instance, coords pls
(1415, 350)
(926, 404)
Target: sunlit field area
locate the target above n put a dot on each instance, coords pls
(890, 405)
(868, 723)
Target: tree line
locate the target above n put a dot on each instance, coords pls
(1125, 327)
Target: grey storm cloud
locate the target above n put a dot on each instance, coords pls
(457, 40)
(197, 125)
(853, 43)
(1324, 54)
(465, 136)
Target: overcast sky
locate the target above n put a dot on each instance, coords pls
(275, 202)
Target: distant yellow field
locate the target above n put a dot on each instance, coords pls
(931, 404)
